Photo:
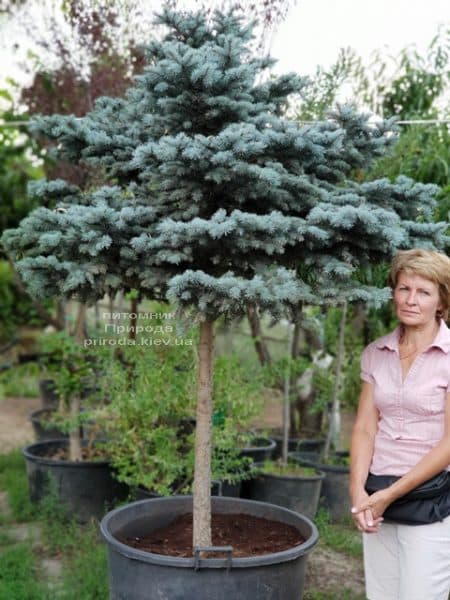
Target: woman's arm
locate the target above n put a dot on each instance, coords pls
(362, 444)
(436, 460)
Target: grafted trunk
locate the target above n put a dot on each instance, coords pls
(335, 413)
(133, 318)
(203, 439)
(75, 402)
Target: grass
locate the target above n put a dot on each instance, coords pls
(21, 380)
(82, 553)
(13, 480)
(290, 470)
(19, 575)
(342, 537)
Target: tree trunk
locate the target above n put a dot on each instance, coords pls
(203, 439)
(255, 329)
(287, 397)
(335, 414)
(133, 318)
(294, 352)
(75, 402)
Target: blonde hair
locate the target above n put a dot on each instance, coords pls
(432, 265)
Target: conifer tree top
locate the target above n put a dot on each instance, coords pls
(215, 198)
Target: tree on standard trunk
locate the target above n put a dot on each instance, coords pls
(218, 199)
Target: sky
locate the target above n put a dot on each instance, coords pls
(316, 29)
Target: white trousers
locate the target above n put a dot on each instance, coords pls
(404, 562)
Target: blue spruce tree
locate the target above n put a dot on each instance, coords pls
(216, 199)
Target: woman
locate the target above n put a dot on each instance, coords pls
(403, 428)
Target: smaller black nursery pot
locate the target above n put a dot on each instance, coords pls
(334, 494)
(42, 431)
(86, 489)
(300, 493)
(261, 449)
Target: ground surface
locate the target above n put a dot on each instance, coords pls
(15, 426)
(336, 575)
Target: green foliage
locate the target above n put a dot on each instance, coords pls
(85, 569)
(17, 307)
(150, 417)
(292, 469)
(19, 163)
(20, 380)
(84, 561)
(275, 372)
(423, 153)
(320, 94)
(73, 366)
(19, 576)
(83, 555)
(147, 418)
(342, 537)
(13, 480)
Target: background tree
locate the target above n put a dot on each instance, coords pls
(218, 198)
(20, 162)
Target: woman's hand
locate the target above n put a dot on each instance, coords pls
(368, 512)
(366, 516)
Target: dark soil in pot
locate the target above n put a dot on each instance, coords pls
(135, 574)
(248, 535)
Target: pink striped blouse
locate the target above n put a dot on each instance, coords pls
(411, 412)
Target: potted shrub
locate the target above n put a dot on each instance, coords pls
(217, 198)
(77, 470)
(149, 421)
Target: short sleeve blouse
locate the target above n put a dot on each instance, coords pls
(411, 411)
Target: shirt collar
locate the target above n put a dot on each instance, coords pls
(441, 341)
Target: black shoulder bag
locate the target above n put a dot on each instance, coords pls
(427, 503)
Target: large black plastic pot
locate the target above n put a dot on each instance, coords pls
(218, 488)
(334, 494)
(86, 489)
(138, 575)
(298, 493)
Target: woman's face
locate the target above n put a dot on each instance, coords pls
(416, 300)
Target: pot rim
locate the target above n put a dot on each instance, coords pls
(174, 561)
(27, 452)
(317, 477)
